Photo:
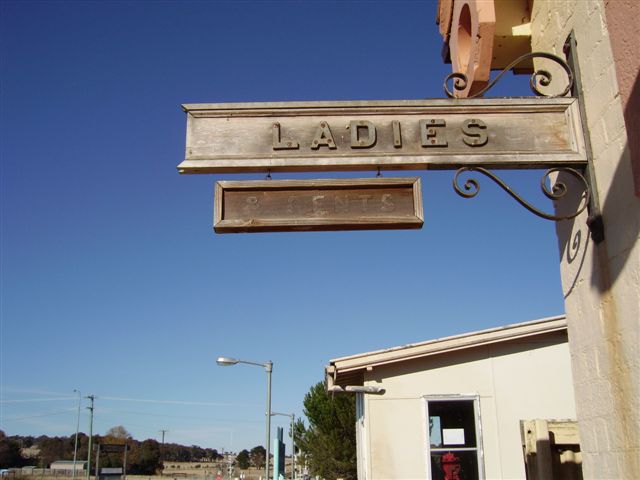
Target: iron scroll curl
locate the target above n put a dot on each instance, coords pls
(559, 189)
(538, 78)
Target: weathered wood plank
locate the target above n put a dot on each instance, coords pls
(318, 205)
(390, 135)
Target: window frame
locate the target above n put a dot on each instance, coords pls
(361, 438)
(475, 398)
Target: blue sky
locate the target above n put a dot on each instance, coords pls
(113, 281)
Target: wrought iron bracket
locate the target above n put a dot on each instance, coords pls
(539, 78)
(542, 78)
(559, 189)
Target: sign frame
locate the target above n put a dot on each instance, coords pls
(513, 133)
(305, 220)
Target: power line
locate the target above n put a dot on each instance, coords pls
(176, 402)
(182, 416)
(69, 410)
(105, 411)
(125, 399)
(25, 400)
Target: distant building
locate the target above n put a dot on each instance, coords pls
(67, 466)
(457, 403)
(30, 452)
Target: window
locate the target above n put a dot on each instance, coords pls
(454, 446)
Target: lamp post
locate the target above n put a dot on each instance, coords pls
(292, 416)
(268, 367)
(75, 445)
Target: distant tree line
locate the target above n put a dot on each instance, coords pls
(143, 457)
(327, 446)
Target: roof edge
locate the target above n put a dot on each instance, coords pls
(448, 344)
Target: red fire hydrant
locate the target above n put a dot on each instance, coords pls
(451, 466)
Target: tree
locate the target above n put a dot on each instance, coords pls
(118, 433)
(212, 454)
(330, 440)
(83, 446)
(243, 459)
(9, 452)
(145, 458)
(51, 449)
(197, 453)
(257, 456)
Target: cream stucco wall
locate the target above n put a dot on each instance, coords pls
(515, 381)
(601, 282)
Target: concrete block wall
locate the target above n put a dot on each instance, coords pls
(601, 282)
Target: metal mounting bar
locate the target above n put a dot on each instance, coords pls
(594, 221)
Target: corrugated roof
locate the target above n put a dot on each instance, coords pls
(352, 366)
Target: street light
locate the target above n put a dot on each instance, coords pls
(268, 367)
(292, 416)
(75, 445)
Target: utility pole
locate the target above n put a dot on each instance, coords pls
(92, 398)
(75, 444)
(268, 368)
(293, 447)
(162, 449)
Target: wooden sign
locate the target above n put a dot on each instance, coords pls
(314, 205)
(112, 447)
(390, 135)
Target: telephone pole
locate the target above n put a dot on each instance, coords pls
(162, 449)
(92, 398)
(75, 444)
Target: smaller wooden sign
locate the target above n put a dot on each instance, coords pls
(317, 205)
